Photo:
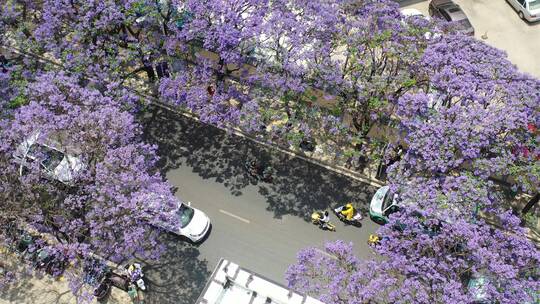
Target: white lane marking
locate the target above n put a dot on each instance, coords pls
(235, 216)
(326, 253)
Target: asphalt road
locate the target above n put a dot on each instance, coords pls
(258, 225)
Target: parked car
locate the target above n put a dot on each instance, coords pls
(527, 9)
(408, 13)
(451, 12)
(412, 12)
(53, 159)
(477, 286)
(382, 204)
(193, 223)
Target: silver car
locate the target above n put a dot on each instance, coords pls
(451, 12)
(52, 158)
(527, 9)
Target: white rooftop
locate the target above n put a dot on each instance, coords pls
(232, 284)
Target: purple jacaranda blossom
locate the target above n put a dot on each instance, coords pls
(108, 206)
(425, 260)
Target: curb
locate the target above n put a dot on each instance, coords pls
(337, 169)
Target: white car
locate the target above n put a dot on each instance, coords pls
(382, 204)
(412, 12)
(527, 9)
(193, 223)
(52, 158)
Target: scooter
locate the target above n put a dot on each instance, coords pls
(136, 297)
(316, 219)
(42, 259)
(56, 266)
(24, 243)
(103, 290)
(119, 281)
(374, 240)
(259, 172)
(108, 279)
(355, 220)
(135, 274)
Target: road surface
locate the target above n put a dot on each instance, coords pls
(261, 226)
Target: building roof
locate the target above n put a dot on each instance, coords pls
(232, 284)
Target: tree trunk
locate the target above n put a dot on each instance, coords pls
(531, 203)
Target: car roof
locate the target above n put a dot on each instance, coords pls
(57, 140)
(454, 11)
(411, 12)
(457, 15)
(441, 2)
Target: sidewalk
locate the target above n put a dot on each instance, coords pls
(33, 288)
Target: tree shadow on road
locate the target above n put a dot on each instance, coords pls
(298, 187)
(210, 152)
(179, 276)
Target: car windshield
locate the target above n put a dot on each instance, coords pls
(49, 157)
(388, 198)
(185, 213)
(464, 24)
(534, 5)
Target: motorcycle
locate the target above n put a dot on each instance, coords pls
(256, 170)
(107, 280)
(135, 274)
(24, 243)
(53, 264)
(56, 266)
(119, 281)
(102, 291)
(316, 219)
(95, 272)
(27, 247)
(136, 297)
(355, 220)
(42, 259)
(374, 240)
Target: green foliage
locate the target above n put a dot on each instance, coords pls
(378, 40)
(409, 83)
(376, 102)
(530, 219)
(18, 101)
(139, 8)
(295, 138)
(351, 153)
(528, 174)
(336, 111)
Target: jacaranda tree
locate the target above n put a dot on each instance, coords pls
(110, 199)
(428, 256)
(473, 118)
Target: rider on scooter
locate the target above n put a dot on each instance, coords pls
(252, 165)
(347, 211)
(325, 219)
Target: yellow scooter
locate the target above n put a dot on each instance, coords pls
(322, 219)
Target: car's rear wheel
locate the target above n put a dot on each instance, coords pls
(378, 220)
(521, 15)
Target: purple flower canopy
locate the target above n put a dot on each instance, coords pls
(463, 112)
(104, 208)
